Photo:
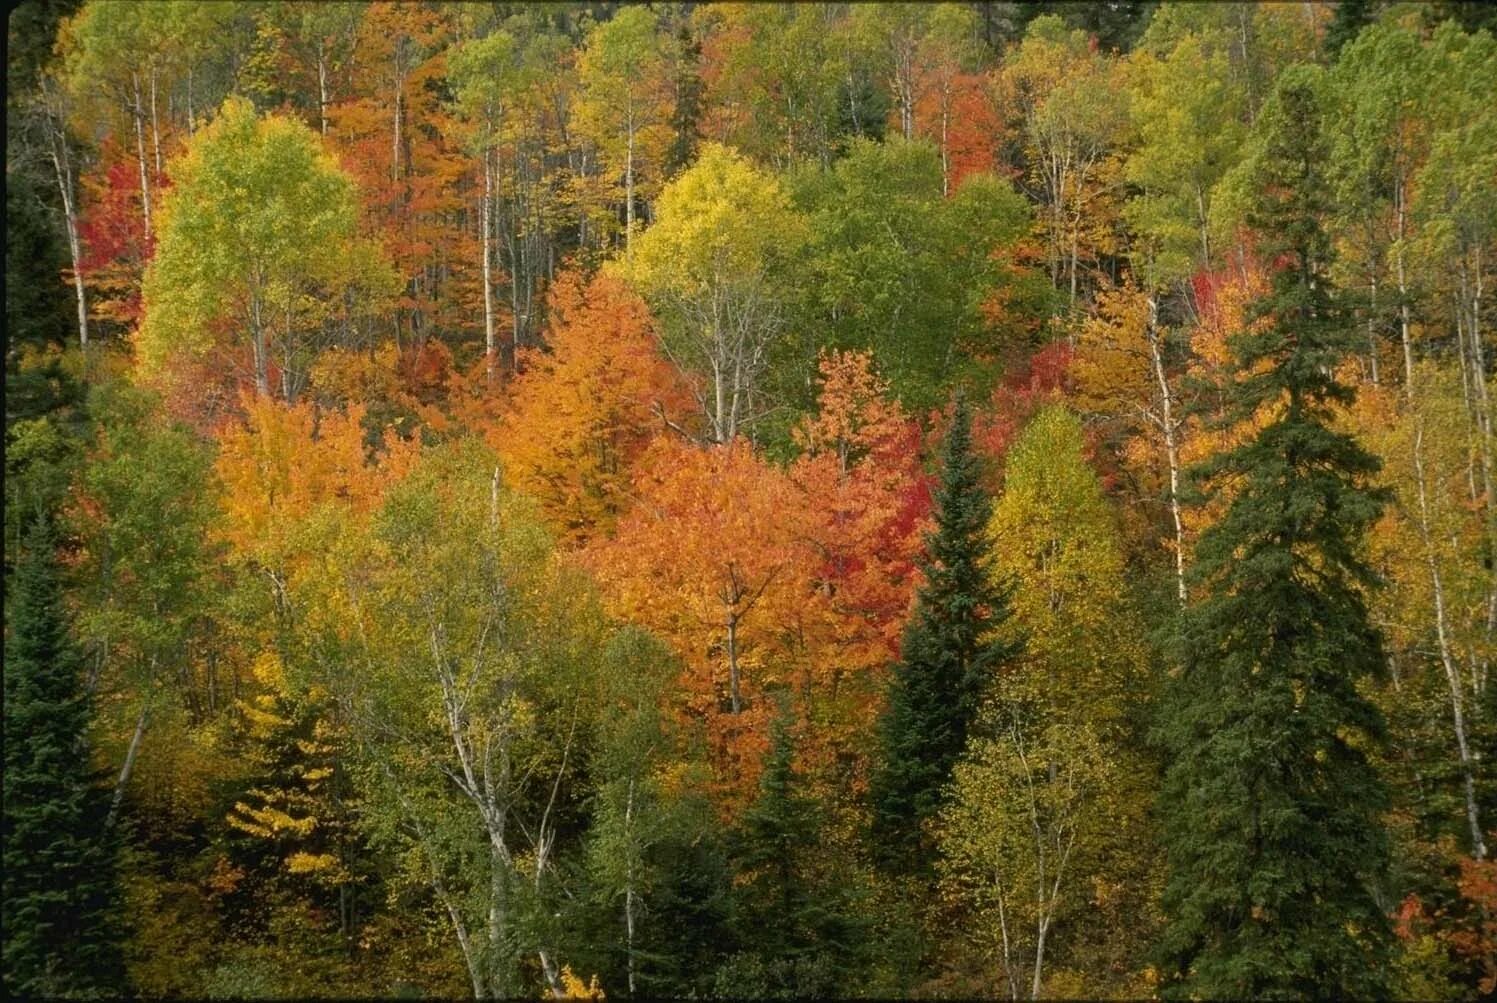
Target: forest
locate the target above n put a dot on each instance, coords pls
(750, 500)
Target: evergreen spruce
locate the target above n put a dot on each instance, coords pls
(792, 910)
(948, 656)
(60, 896)
(1271, 807)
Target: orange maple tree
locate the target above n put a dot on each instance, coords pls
(580, 413)
(713, 557)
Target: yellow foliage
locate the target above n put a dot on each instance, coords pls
(573, 988)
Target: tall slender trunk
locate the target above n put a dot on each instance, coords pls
(257, 333)
(490, 335)
(629, 187)
(131, 752)
(155, 124)
(945, 142)
(1442, 636)
(322, 86)
(629, 885)
(734, 696)
(1171, 448)
(62, 164)
(138, 113)
(1039, 957)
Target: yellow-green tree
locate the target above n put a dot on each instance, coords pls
(256, 239)
(715, 265)
(627, 101)
(1045, 825)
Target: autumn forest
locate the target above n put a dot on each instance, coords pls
(750, 500)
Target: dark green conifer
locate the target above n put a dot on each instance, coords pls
(792, 908)
(60, 895)
(1271, 808)
(949, 654)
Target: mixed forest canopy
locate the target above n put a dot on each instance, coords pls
(750, 500)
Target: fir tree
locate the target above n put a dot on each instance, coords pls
(792, 912)
(949, 653)
(1271, 807)
(60, 895)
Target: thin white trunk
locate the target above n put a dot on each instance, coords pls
(629, 884)
(155, 124)
(490, 334)
(63, 165)
(1442, 635)
(629, 186)
(131, 752)
(138, 113)
(322, 86)
(1171, 448)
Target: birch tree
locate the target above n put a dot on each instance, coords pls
(714, 265)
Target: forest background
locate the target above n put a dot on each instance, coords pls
(750, 499)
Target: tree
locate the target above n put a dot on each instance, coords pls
(1073, 116)
(1271, 807)
(483, 71)
(146, 507)
(1048, 807)
(791, 914)
(867, 501)
(712, 557)
(626, 106)
(60, 898)
(948, 658)
(714, 265)
(901, 270)
(462, 653)
(582, 411)
(257, 234)
(1186, 115)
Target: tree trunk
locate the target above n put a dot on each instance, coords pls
(629, 886)
(322, 86)
(138, 113)
(490, 335)
(155, 125)
(1452, 675)
(62, 163)
(129, 765)
(733, 692)
(629, 187)
(257, 332)
(1171, 448)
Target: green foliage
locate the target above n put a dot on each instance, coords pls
(792, 913)
(1271, 808)
(258, 233)
(897, 268)
(950, 654)
(61, 903)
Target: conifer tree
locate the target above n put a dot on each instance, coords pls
(792, 913)
(1271, 807)
(950, 651)
(59, 892)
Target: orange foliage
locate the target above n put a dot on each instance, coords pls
(580, 414)
(288, 463)
(867, 504)
(713, 558)
(959, 113)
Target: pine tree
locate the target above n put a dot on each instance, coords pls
(60, 897)
(949, 653)
(1271, 807)
(792, 912)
